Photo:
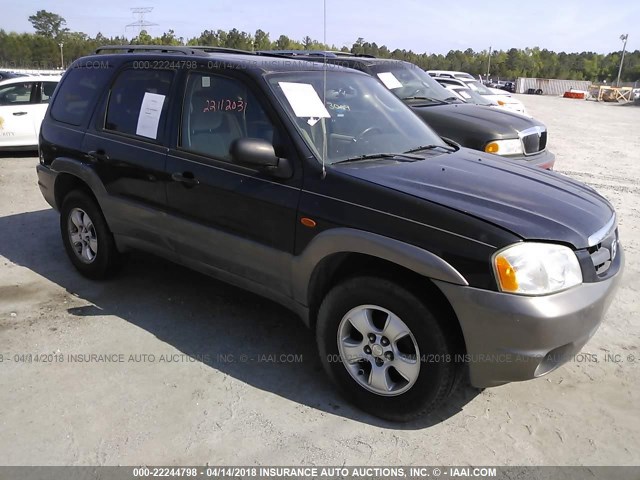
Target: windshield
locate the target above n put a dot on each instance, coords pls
(407, 81)
(470, 96)
(358, 116)
(477, 87)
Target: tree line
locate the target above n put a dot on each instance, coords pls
(42, 50)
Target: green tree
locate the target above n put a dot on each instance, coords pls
(47, 24)
(261, 41)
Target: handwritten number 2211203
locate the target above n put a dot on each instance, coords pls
(225, 105)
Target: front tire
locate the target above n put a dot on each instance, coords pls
(391, 354)
(87, 239)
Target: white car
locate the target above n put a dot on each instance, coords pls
(23, 103)
(470, 96)
(503, 99)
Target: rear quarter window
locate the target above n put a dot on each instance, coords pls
(77, 94)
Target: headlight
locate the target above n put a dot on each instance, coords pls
(505, 147)
(536, 268)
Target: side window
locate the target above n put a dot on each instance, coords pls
(16, 94)
(79, 88)
(138, 102)
(47, 91)
(218, 110)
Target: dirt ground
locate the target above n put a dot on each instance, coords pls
(196, 373)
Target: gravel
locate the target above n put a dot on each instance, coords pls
(188, 370)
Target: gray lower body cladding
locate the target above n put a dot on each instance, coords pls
(512, 337)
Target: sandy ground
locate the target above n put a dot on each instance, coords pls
(239, 402)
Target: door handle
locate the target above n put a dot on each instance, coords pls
(99, 155)
(186, 178)
(19, 114)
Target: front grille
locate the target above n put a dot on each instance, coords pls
(534, 142)
(604, 253)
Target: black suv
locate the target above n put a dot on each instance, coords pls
(319, 189)
(488, 129)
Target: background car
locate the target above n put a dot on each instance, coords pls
(470, 96)
(4, 75)
(451, 74)
(23, 103)
(503, 98)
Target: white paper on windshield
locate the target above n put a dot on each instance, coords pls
(304, 100)
(149, 116)
(389, 79)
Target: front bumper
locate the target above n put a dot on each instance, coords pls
(512, 337)
(46, 182)
(545, 160)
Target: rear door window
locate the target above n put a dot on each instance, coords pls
(138, 103)
(47, 91)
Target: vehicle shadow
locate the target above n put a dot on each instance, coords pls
(216, 323)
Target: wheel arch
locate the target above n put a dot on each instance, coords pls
(73, 174)
(338, 254)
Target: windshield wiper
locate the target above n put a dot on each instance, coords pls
(452, 99)
(402, 157)
(431, 147)
(431, 99)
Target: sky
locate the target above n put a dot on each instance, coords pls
(418, 25)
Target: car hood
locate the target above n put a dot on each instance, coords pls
(504, 124)
(532, 203)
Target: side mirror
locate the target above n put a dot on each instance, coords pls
(258, 153)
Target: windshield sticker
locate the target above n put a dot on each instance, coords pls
(149, 116)
(206, 82)
(390, 81)
(304, 100)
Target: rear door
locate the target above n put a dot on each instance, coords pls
(17, 112)
(128, 149)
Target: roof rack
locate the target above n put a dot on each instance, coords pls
(300, 53)
(189, 50)
(148, 48)
(204, 48)
(315, 53)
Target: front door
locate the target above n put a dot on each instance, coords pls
(227, 216)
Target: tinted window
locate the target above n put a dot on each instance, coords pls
(16, 93)
(218, 110)
(138, 102)
(75, 99)
(47, 91)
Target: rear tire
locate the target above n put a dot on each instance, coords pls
(354, 321)
(87, 239)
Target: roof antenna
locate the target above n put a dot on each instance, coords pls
(324, 94)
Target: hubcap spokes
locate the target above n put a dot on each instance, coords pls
(82, 235)
(378, 350)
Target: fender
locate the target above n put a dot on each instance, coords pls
(84, 172)
(349, 240)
